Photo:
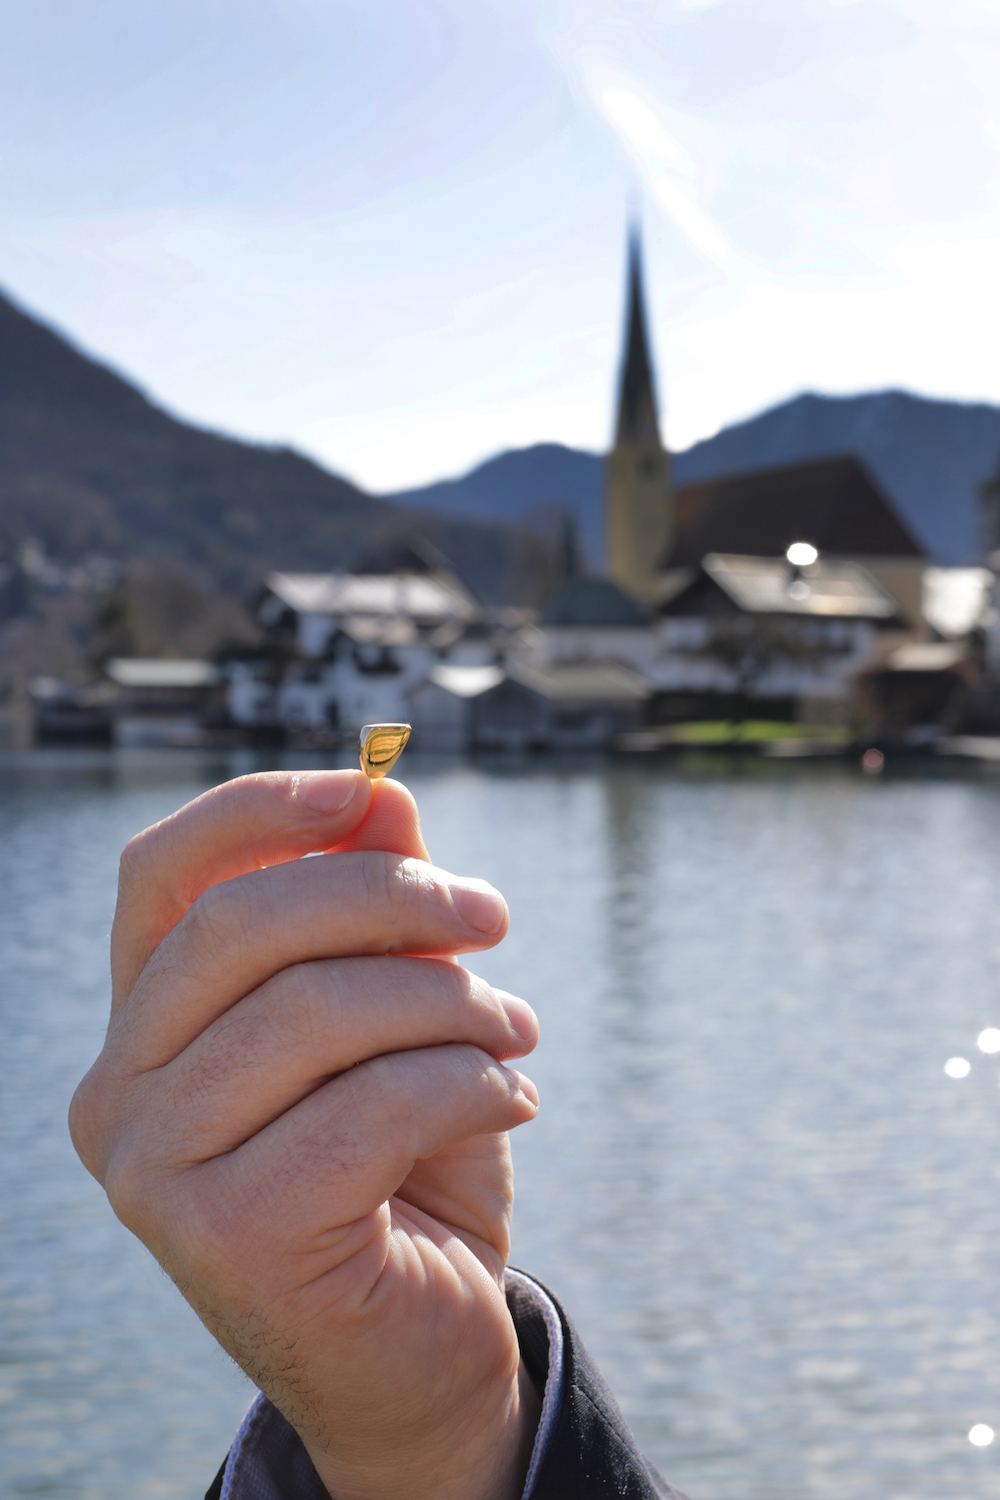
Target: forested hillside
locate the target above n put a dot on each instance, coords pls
(89, 465)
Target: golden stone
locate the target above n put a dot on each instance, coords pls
(380, 747)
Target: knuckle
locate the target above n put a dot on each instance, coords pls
(399, 900)
(485, 999)
(197, 1086)
(283, 1019)
(126, 1182)
(296, 1022)
(290, 1017)
(84, 1120)
(389, 885)
(222, 921)
(485, 1074)
(475, 1002)
(450, 985)
(137, 859)
(478, 1004)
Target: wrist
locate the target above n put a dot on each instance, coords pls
(482, 1453)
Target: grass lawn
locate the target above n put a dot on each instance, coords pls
(749, 731)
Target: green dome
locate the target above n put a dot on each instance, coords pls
(592, 602)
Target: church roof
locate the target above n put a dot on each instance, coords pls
(592, 602)
(833, 503)
(637, 421)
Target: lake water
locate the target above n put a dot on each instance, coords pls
(774, 1217)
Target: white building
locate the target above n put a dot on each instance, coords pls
(763, 628)
(347, 649)
(311, 607)
(736, 625)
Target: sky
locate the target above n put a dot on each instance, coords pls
(392, 232)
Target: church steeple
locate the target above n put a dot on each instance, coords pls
(637, 396)
(638, 517)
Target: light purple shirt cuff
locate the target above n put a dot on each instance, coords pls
(268, 1462)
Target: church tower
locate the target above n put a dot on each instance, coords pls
(637, 506)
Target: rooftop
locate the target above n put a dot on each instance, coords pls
(592, 602)
(760, 585)
(157, 672)
(422, 597)
(833, 503)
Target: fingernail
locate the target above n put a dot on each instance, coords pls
(523, 1021)
(479, 905)
(327, 791)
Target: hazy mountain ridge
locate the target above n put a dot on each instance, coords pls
(930, 456)
(527, 485)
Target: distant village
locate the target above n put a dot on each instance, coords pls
(788, 608)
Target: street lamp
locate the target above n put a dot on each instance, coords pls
(800, 555)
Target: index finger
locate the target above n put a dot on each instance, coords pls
(247, 824)
(243, 825)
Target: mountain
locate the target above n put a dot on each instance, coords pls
(929, 457)
(532, 487)
(89, 465)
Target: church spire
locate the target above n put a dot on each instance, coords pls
(637, 396)
(638, 511)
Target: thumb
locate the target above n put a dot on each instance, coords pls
(392, 823)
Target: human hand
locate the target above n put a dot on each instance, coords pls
(299, 1109)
